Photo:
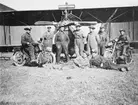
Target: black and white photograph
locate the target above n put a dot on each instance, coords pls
(68, 52)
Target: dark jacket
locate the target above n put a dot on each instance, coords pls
(103, 38)
(61, 36)
(26, 37)
(123, 38)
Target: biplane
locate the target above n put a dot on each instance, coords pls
(113, 19)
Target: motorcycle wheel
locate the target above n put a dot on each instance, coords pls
(108, 54)
(18, 58)
(46, 58)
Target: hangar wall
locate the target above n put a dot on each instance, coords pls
(4, 35)
(13, 33)
(128, 26)
(2, 42)
(115, 27)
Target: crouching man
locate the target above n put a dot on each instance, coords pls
(101, 62)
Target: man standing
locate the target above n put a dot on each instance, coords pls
(92, 40)
(27, 43)
(124, 40)
(47, 38)
(79, 46)
(103, 40)
(61, 40)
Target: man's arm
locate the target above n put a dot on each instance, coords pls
(87, 37)
(44, 36)
(107, 39)
(52, 35)
(72, 29)
(97, 39)
(68, 39)
(128, 39)
(119, 38)
(83, 36)
(32, 41)
(56, 37)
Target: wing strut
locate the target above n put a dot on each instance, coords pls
(94, 17)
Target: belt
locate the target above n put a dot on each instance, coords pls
(78, 38)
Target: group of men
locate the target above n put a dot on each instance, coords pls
(94, 42)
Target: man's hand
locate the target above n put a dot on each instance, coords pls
(126, 42)
(28, 43)
(116, 39)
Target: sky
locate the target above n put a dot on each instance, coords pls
(53, 4)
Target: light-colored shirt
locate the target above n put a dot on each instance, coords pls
(93, 40)
(47, 35)
(78, 34)
(47, 39)
(103, 38)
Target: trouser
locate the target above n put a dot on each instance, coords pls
(47, 43)
(79, 47)
(101, 49)
(118, 53)
(30, 51)
(90, 49)
(61, 46)
(124, 48)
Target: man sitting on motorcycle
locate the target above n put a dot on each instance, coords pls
(28, 43)
(124, 40)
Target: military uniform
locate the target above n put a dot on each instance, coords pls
(27, 43)
(92, 42)
(61, 40)
(124, 39)
(79, 46)
(47, 39)
(103, 41)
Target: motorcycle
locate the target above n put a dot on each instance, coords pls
(21, 58)
(113, 52)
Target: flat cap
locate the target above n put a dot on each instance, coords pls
(92, 27)
(48, 27)
(122, 30)
(102, 27)
(27, 28)
(77, 25)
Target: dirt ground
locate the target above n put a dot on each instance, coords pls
(67, 85)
